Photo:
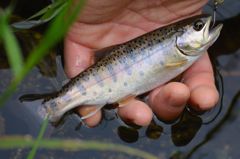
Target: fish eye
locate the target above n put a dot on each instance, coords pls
(198, 25)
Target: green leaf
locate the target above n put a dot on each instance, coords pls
(53, 35)
(53, 10)
(47, 14)
(10, 44)
(47, 8)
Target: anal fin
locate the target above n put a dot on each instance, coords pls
(125, 100)
(88, 115)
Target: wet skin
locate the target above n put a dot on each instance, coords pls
(108, 22)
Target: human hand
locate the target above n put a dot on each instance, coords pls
(109, 22)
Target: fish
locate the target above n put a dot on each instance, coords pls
(135, 67)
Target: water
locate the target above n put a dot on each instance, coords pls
(188, 137)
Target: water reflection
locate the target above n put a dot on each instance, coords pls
(185, 130)
(182, 132)
(154, 130)
(225, 119)
(128, 134)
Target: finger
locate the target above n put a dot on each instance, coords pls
(200, 80)
(168, 101)
(76, 57)
(136, 112)
(92, 121)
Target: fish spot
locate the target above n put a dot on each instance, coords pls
(161, 63)
(128, 70)
(81, 88)
(109, 90)
(125, 84)
(50, 104)
(84, 93)
(141, 73)
(111, 72)
(66, 97)
(98, 79)
(85, 78)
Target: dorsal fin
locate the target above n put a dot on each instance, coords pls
(100, 54)
(32, 97)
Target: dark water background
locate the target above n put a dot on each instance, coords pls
(191, 136)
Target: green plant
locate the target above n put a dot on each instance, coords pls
(56, 13)
(55, 32)
(71, 145)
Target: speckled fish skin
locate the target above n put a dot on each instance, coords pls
(135, 67)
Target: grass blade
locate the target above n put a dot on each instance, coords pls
(47, 13)
(53, 11)
(54, 34)
(10, 142)
(46, 9)
(39, 138)
(10, 44)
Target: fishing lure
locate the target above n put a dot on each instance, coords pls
(216, 3)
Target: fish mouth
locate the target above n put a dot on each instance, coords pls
(206, 37)
(211, 35)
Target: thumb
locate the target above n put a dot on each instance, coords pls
(76, 57)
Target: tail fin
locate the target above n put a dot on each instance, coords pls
(39, 110)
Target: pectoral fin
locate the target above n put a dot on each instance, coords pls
(126, 100)
(173, 64)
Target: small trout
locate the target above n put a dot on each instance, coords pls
(135, 67)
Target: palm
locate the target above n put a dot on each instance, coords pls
(101, 25)
(105, 23)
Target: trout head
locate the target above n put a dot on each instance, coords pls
(196, 36)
